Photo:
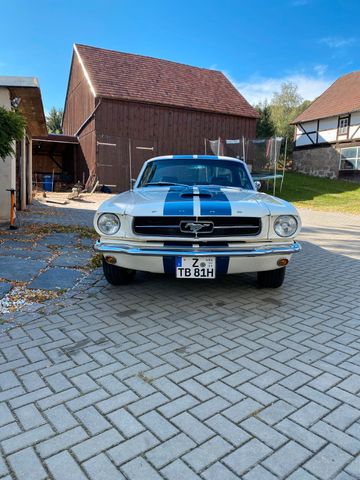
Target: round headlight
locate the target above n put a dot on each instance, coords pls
(108, 223)
(285, 225)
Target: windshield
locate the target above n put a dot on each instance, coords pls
(195, 171)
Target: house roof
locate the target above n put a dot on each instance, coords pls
(31, 106)
(132, 77)
(343, 96)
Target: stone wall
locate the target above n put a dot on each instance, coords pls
(320, 162)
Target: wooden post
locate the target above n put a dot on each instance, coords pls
(284, 166)
(130, 165)
(29, 173)
(275, 162)
(12, 209)
(23, 173)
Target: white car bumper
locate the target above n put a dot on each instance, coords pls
(161, 259)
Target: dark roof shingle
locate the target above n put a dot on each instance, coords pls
(343, 96)
(135, 77)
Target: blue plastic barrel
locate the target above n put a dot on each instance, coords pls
(47, 183)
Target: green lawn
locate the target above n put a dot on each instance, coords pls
(320, 193)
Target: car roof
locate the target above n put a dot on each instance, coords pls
(195, 157)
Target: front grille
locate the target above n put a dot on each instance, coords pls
(177, 226)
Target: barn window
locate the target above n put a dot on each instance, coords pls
(343, 126)
(350, 158)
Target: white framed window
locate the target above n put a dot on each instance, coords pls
(343, 126)
(350, 158)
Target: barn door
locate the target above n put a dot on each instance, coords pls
(112, 162)
(141, 150)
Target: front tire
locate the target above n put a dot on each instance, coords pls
(117, 275)
(271, 278)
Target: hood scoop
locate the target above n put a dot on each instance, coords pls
(196, 194)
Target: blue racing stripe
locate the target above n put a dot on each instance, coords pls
(175, 204)
(214, 202)
(222, 265)
(196, 157)
(169, 265)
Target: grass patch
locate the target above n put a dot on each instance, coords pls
(320, 193)
(95, 261)
(82, 232)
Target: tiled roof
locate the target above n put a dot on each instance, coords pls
(135, 77)
(343, 96)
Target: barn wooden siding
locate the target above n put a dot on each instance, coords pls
(168, 130)
(104, 139)
(80, 103)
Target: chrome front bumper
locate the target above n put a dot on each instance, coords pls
(287, 249)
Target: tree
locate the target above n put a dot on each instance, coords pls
(264, 126)
(54, 120)
(12, 124)
(304, 106)
(285, 106)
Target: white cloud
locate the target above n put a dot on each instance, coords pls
(258, 89)
(320, 69)
(337, 42)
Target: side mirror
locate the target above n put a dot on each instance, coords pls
(132, 183)
(257, 185)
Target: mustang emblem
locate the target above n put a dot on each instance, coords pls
(195, 227)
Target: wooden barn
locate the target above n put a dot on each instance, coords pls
(126, 108)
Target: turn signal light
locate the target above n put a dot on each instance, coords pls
(111, 260)
(282, 262)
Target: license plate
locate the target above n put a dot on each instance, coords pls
(195, 267)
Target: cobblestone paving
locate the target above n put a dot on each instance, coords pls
(168, 379)
(51, 262)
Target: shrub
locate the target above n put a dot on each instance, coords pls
(12, 124)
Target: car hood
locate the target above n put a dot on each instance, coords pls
(188, 201)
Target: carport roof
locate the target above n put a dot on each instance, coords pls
(31, 106)
(57, 138)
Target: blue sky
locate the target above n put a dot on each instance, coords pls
(258, 44)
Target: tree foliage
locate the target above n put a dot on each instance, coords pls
(12, 124)
(54, 120)
(285, 106)
(264, 126)
(276, 116)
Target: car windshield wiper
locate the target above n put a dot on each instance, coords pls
(164, 184)
(224, 186)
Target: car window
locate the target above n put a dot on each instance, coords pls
(196, 172)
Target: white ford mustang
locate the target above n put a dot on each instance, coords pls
(196, 216)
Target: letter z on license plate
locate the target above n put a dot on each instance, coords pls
(195, 267)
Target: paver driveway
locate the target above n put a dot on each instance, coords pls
(169, 379)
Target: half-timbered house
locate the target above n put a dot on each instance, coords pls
(327, 133)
